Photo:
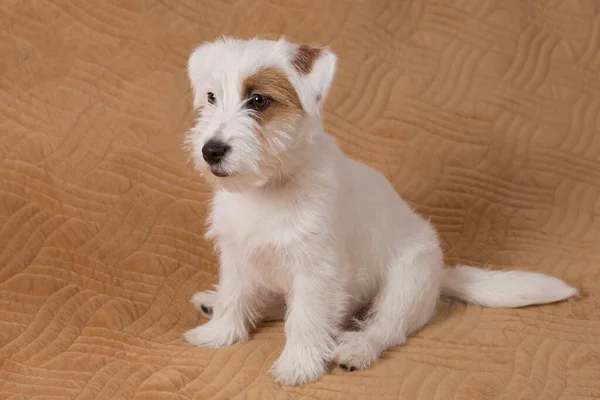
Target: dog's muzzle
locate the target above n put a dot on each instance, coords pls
(214, 152)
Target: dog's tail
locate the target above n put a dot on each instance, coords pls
(504, 289)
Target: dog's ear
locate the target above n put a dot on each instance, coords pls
(199, 67)
(316, 67)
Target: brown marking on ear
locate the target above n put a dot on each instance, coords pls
(305, 58)
(273, 83)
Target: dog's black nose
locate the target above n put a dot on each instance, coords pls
(214, 151)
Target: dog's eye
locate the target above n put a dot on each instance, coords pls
(211, 98)
(258, 102)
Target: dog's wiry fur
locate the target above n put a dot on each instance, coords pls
(305, 233)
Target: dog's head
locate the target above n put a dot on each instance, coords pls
(258, 102)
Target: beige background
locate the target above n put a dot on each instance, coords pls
(485, 115)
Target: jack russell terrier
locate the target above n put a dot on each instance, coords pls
(306, 234)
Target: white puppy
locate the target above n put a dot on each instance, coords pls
(305, 233)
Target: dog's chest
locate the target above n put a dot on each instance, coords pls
(265, 232)
(253, 224)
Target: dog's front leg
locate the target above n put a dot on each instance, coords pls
(315, 310)
(234, 310)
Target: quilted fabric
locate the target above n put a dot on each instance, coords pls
(485, 115)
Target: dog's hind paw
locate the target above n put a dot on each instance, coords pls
(205, 302)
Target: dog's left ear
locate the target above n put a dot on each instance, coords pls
(316, 67)
(200, 65)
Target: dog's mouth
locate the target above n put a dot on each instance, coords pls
(218, 172)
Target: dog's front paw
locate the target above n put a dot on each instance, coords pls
(215, 334)
(298, 367)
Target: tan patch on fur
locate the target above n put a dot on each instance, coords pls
(273, 83)
(305, 58)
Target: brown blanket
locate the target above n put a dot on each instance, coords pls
(485, 115)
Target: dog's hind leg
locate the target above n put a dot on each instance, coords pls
(405, 303)
(205, 302)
